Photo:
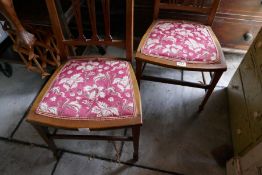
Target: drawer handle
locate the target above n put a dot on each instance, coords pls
(259, 44)
(248, 36)
(239, 131)
(257, 116)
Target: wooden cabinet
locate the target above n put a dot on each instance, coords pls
(235, 33)
(245, 100)
(241, 131)
(237, 22)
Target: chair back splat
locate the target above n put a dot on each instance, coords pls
(85, 12)
(205, 7)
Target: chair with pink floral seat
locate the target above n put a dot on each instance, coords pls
(183, 45)
(89, 93)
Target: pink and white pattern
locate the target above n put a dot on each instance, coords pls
(83, 90)
(181, 41)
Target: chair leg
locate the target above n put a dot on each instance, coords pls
(44, 133)
(213, 84)
(136, 135)
(138, 71)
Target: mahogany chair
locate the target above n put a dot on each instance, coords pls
(89, 92)
(183, 45)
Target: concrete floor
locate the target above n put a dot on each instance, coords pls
(174, 139)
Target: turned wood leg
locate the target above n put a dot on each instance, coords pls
(138, 71)
(44, 133)
(136, 135)
(213, 84)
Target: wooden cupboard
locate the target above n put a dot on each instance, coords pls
(245, 100)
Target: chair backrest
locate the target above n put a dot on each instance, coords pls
(205, 7)
(85, 12)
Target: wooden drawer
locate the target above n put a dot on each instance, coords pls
(247, 7)
(241, 132)
(233, 33)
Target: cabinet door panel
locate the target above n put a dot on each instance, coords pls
(258, 55)
(240, 127)
(253, 92)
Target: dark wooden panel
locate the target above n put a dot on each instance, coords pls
(32, 12)
(143, 17)
(247, 7)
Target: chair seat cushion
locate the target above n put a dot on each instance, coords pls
(95, 90)
(181, 41)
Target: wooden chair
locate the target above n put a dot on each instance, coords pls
(42, 53)
(184, 45)
(89, 93)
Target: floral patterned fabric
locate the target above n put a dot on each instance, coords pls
(85, 90)
(181, 41)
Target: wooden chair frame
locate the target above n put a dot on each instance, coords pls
(215, 70)
(41, 123)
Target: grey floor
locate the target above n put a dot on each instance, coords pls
(174, 139)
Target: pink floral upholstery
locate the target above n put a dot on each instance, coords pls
(181, 41)
(84, 90)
